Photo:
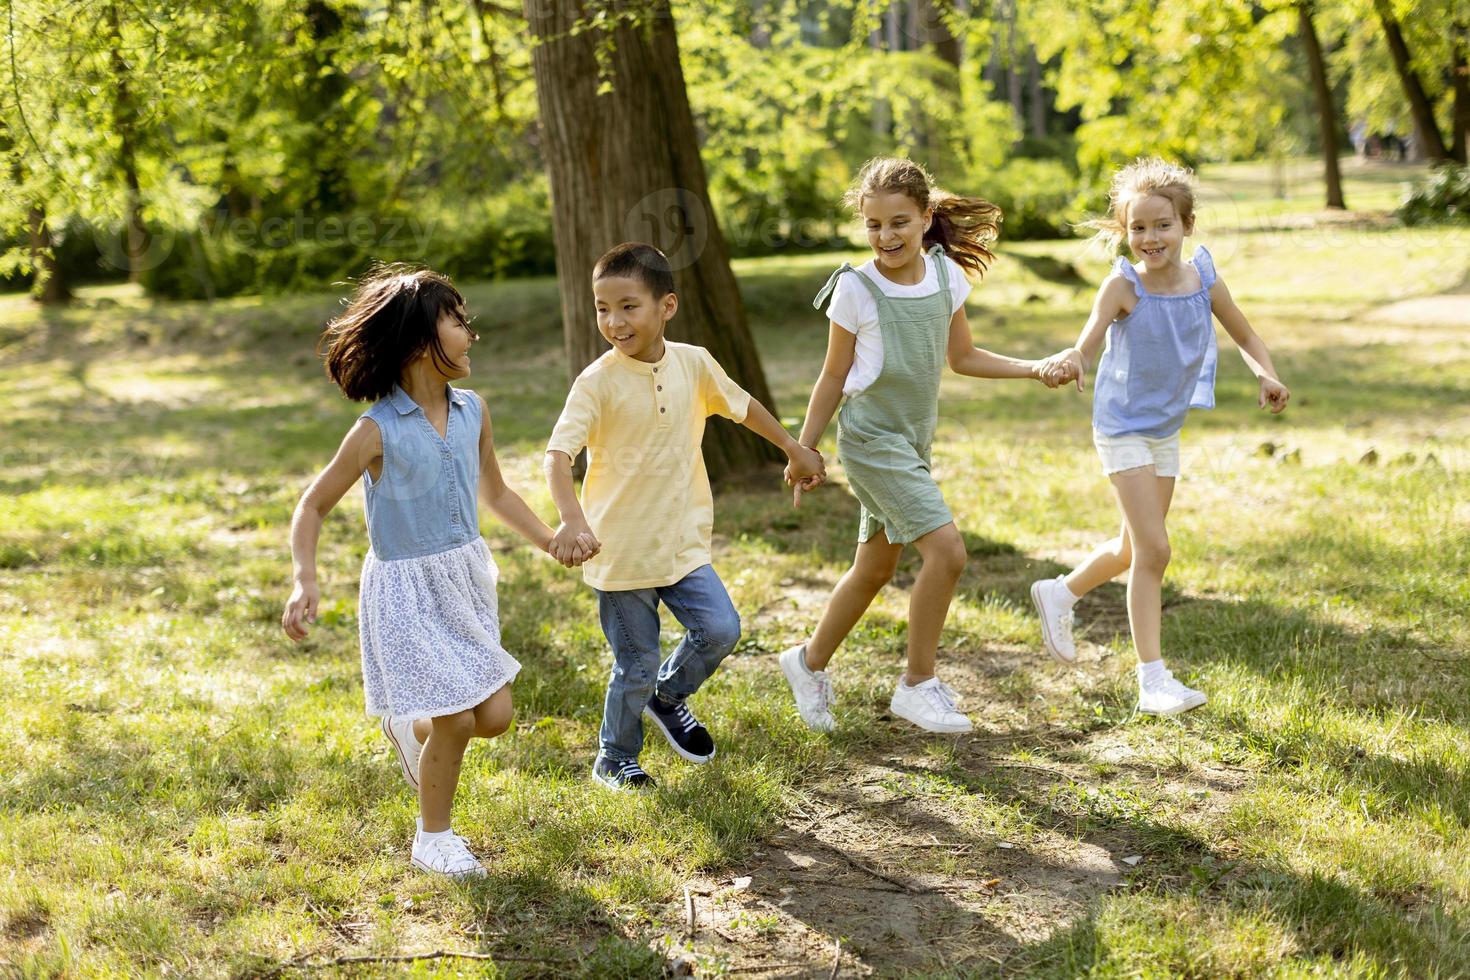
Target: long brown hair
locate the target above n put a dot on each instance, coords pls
(1144, 177)
(965, 226)
(392, 318)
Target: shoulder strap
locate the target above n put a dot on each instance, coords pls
(831, 285)
(941, 265)
(1204, 264)
(1125, 269)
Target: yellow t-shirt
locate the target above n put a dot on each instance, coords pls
(646, 494)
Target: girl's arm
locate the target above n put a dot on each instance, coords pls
(362, 447)
(976, 362)
(504, 502)
(827, 392)
(1114, 298)
(1274, 395)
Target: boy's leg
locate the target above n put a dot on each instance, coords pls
(630, 623)
(702, 606)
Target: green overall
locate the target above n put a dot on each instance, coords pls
(885, 432)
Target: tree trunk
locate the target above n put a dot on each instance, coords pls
(49, 285)
(1460, 82)
(1326, 117)
(1013, 75)
(1035, 101)
(1430, 140)
(125, 120)
(625, 165)
(935, 17)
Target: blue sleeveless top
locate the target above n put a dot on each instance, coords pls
(1160, 359)
(423, 502)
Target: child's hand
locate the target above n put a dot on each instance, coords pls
(805, 471)
(573, 545)
(300, 610)
(1274, 395)
(1062, 367)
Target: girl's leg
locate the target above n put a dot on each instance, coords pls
(1144, 499)
(439, 765)
(943, 551)
(872, 568)
(1107, 561)
(493, 715)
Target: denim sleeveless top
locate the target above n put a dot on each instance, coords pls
(1160, 359)
(423, 502)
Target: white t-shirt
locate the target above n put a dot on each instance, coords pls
(853, 309)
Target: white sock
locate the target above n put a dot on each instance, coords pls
(427, 835)
(1066, 593)
(1150, 673)
(802, 660)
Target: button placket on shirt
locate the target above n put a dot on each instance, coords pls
(660, 400)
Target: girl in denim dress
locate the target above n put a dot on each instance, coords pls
(432, 662)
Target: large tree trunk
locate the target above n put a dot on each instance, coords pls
(624, 165)
(1460, 82)
(1427, 129)
(49, 285)
(125, 121)
(1326, 117)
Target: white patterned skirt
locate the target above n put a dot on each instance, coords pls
(430, 630)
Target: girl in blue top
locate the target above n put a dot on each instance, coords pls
(432, 663)
(1159, 363)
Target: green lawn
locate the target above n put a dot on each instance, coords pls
(184, 792)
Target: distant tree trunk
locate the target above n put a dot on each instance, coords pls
(760, 33)
(1035, 101)
(1460, 82)
(935, 17)
(1013, 76)
(1326, 117)
(49, 286)
(125, 120)
(625, 166)
(1428, 130)
(882, 118)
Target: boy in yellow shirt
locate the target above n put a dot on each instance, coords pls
(644, 521)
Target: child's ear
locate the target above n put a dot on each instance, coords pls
(670, 306)
(928, 218)
(1189, 225)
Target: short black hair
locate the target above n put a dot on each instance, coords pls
(635, 260)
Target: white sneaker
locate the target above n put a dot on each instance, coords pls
(1056, 618)
(929, 705)
(406, 746)
(811, 688)
(445, 854)
(1166, 696)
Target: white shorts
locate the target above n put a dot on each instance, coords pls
(1127, 452)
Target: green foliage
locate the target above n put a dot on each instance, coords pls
(1443, 199)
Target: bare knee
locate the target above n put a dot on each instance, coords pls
(457, 727)
(1152, 555)
(944, 554)
(872, 576)
(1122, 550)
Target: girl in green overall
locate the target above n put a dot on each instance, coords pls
(896, 321)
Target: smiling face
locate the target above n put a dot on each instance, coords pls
(1155, 231)
(629, 318)
(896, 227)
(455, 338)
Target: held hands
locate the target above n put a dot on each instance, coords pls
(573, 545)
(1062, 367)
(1274, 395)
(300, 610)
(805, 471)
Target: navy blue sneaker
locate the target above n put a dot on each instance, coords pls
(618, 775)
(684, 732)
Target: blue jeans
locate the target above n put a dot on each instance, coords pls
(630, 620)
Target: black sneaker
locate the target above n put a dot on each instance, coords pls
(619, 775)
(684, 732)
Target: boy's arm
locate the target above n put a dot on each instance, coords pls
(1274, 395)
(803, 462)
(976, 362)
(504, 502)
(573, 542)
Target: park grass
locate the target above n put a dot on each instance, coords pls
(183, 791)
